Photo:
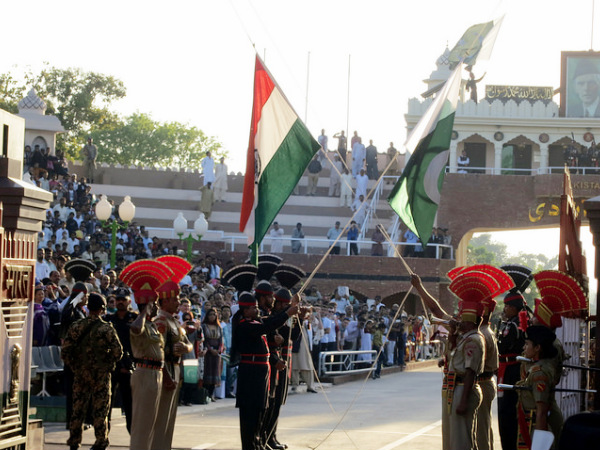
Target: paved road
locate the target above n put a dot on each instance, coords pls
(398, 411)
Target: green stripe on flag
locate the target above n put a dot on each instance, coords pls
(281, 175)
(413, 196)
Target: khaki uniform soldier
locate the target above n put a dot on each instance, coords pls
(147, 346)
(91, 349)
(537, 408)
(89, 152)
(485, 437)
(465, 356)
(464, 394)
(176, 345)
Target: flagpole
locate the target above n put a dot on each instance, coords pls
(307, 80)
(348, 102)
(592, 38)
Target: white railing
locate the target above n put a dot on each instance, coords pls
(574, 335)
(510, 171)
(310, 244)
(343, 363)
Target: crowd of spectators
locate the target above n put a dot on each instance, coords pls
(342, 322)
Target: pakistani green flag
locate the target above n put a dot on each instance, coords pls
(416, 195)
(476, 43)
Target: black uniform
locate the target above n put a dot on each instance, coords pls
(279, 382)
(510, 345)
(121, 377)
(249, 337)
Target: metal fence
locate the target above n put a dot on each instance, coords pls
(351, 361)
(574, 334)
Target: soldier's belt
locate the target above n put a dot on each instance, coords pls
(149, 364)
(254, 358)
(485, 376)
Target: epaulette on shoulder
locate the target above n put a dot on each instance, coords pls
(536, 368)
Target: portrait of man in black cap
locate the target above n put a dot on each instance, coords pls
(585, 84)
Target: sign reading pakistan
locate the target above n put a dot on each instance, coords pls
(518, 93)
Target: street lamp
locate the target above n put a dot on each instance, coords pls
(180, 227)
(126, 213)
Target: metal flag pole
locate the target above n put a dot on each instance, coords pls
(307, 82)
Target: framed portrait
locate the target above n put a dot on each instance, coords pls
(580, 84)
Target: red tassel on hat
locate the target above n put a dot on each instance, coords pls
(523, 320)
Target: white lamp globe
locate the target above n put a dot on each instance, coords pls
(180, 224)
(103, 209)
(200, 225)
(127, 210)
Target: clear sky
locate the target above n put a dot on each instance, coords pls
(193, 61)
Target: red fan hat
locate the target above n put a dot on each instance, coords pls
(144, 277)
(180, 268)
(561, 296)
(475, 289)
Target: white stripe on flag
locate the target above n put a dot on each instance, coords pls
(276, 120)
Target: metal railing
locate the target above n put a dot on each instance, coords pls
(527, 171)
(309, 245)
(338, 363)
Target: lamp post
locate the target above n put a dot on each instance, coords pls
(126, 213)
(180, 227)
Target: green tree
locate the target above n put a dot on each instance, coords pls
(82, 102)
(139, 140)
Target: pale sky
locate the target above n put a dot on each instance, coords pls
(192, 61)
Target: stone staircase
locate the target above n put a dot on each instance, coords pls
(159, 195)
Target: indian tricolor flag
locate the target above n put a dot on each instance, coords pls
(279, 151)
(416, 195)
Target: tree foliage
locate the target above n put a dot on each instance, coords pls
(137, 139)
(483, 250)
(82, 101)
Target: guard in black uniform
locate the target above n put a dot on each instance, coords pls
(121, 377)
(250, 340)
(288, 276)
(511, 339)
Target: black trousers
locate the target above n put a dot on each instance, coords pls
(122, 383)
(507, 410)
(250, 425)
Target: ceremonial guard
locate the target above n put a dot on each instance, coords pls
(91, 349)
(561, 295)
(486, 381)
(250, 343)
(510, 345)
(288, 276)
(176, 345)
(475, 286)
(537, 408)
(147, 346)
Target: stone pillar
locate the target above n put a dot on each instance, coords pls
(498, 146)
(544, 157)
(453, 158)
(592, 208)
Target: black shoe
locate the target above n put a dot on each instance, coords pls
(312, 391)
(276, 445)
(230, 396)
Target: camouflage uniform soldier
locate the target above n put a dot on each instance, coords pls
(91, 349)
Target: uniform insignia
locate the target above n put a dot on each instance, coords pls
(541, 386)
(161, 327)
(469, 352)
